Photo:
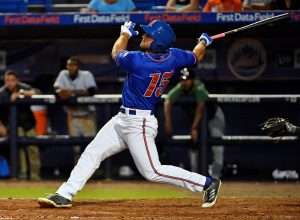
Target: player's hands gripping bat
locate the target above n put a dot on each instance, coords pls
(277, 127)
(128, 28)
(206, 39)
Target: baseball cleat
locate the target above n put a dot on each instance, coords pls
(211, 193)
(54, 201)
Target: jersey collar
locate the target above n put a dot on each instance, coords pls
(162, 57)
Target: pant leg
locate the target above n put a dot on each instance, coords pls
(82, 127)
(74, 131)
(22, 163)
(140, 135)
(22, 157)
(217, 127)
(106, 143)
(89, 125)
(34, 160)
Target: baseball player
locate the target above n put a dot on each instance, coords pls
(135, 126)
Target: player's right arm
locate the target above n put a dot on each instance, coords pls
(199, 50)
(127, 31)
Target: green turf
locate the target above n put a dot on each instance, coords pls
(16, 192)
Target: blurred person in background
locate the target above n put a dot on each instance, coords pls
(285, 5)
(74, 82)
(98, 6)
(257, 5)
(3, 130)
(223, 6)
(14, 89)
(182, 5)
(189, 87)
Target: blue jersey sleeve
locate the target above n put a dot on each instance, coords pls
(184, 58)
(129, 61)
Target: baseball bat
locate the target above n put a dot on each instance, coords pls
(266, 21)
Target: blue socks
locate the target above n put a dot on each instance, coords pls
(207, 182)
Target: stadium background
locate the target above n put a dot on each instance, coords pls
(38, 49)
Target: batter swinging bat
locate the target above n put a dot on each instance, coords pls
(266, 21)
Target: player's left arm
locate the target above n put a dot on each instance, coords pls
(127, 31)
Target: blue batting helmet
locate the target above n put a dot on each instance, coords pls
(162, 33)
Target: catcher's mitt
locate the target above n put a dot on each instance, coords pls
(275, 127)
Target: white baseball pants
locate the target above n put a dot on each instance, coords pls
(136, 132)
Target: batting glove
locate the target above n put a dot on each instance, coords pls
(128, 28)
(206, 39)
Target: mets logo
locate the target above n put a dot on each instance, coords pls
(247, 59)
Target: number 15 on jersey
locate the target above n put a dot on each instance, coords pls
(154, 86)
